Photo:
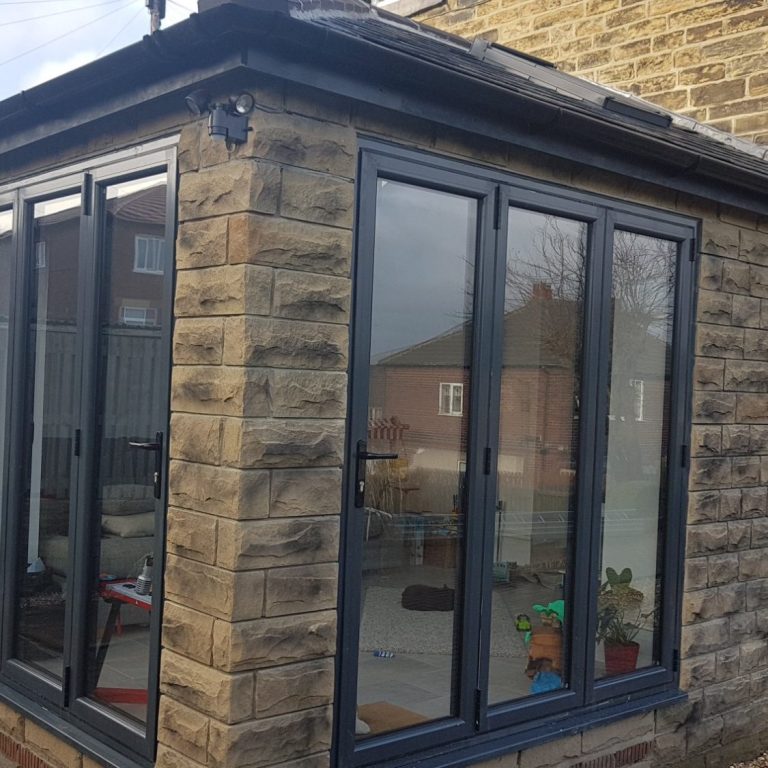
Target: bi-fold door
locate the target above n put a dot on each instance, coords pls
(516, 354)
(88, 411)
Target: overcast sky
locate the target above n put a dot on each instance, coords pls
(41, 39)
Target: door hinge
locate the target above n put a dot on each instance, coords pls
(87, 195)
(684, 456)
(497, 209)
(78, 442)
(478, 702)
(487, 461)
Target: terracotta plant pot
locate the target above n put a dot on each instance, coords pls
(620, 659)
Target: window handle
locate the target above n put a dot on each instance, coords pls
(364, 455)
(157, 447)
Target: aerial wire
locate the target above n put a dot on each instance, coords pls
(57, 13)
(59, 37)
(120, 32)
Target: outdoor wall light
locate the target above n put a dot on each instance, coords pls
(227, 121)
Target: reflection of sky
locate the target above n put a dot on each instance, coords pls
(6, 222)
(423, 265)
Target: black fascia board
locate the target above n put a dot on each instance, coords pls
(230, 37)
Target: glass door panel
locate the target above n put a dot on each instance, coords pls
(49, 429)
(414, 500)
(130, 418)
(637, 428)
(6, 259)
(537, 458)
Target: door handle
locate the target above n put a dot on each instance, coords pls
(363, 455)
(157, 447)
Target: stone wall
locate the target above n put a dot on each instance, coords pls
(703, 58)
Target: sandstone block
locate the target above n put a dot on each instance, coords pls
(551, 754)
(196, 438)
(723, 696)
(187, 632)
(746, 375)
(754, 502)
(308, 394)
(730, 504)
(301, 589)
(737, 277)
(717, 341)
(696, 573)
(698, 671)
(736, 439)
(273, 443)
(191, 535)
(241, 185)
(723, 569)
(703, 507)
(289, 244)
(201, 243)
(715, 307)
(265, 742)
(739, 534)
(758, 439)
(189, 148)
(317, 198)
(707, 440)
(227, 697)
(746, 311)
(753, 656)
(183, 729)
(755, 344)
(220, 390)
(745, 471)
(758, 281)
(757, 594)
(708, 374)
(704, 735)
(264, 342)
(299, 141)
(727, 663)
(198, 341)
(710, 473)
(711, 272)
(300, 296)
(707, 637)
(234, 289)
(764, 313)
(300, 492)
(719, 238)
(55, 752)
(271, 642)
(293, 687)
(215, 591)
(753, 564)
(759, 533)
(752, 408)
(11, 722)
(234, 493)
(618, 734)
(743, 627)
(714, 407)
(277, 542)
(707, 539)
(170, 758)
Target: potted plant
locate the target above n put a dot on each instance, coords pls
(619, 620)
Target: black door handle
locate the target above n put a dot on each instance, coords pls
(157, 447)
(364, 455)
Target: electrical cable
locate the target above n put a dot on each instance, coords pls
(183, 7)
(59, 37)
(120, 32)
(57, 13)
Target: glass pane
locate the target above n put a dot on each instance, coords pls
(538, 445)
(414, 505)
(634, 506)
(6, 259)
(131, 379)
(50, 416)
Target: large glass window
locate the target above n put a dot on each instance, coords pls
(84, 449)
(513, 514)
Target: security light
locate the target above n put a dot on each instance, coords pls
(244, 103)
(198, 101)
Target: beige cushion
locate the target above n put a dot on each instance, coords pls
(129, 526)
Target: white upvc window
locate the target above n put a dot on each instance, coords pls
(639, 401)
(148, 254)
(451, 399)
(138, 316)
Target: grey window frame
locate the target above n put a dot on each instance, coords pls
(64, 708)
(479, 732)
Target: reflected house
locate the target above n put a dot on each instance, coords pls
(410, 392)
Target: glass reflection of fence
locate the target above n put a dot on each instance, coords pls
(130, 365)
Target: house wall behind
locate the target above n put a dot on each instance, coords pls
(703, 59)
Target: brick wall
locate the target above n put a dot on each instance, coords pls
(706, 59)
